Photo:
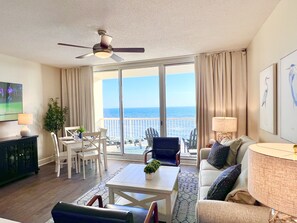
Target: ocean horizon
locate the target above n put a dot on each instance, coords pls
(152, 112)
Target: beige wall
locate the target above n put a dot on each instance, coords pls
(40, 82)
(276, 38)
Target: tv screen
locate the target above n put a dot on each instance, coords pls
(11, 101)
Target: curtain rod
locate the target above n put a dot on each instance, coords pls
(223, 51)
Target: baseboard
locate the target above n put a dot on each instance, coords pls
(44, 161)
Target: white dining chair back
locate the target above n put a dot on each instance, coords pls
(91, 141)
(71, 131)
(90, 150)
(61, 156)
(104, 140)
(103, 132)
(56, 145)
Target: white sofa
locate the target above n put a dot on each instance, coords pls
(211, 211)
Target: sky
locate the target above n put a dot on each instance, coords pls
(139, 92)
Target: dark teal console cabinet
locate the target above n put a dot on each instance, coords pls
(18, 157)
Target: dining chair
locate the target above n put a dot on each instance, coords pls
(90, 150)
(70, 131)
(60, 157)
(103, 138)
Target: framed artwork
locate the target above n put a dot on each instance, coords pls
(288, 97)
(268, 99)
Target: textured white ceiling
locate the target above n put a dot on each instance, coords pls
(31, 29)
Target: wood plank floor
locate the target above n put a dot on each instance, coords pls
(31, 199)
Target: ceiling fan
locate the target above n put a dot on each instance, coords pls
(103, 49)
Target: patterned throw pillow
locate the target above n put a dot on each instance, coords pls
(224, 183)
(218, 155)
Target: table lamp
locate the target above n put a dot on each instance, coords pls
(224, 126)
(272, 179)
(25, 119)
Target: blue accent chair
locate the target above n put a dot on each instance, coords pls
(166, 150)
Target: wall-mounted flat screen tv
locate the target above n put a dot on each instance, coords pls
(11, 101)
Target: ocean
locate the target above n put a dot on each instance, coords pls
(180, 121)
(151, 112)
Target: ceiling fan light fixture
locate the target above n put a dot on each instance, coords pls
(103, 53)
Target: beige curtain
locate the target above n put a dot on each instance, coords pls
(221, 91)
(77, 95)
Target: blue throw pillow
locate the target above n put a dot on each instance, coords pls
(218, 155)
(224, 183)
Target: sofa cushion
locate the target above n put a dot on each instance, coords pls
(246, 141)
(218, 155)
(240, 193)
(234, 146)
(203, 192)
(245, 161)
(207, 177)
(204, 165)
(224, 183)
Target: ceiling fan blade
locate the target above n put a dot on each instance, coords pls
(117, 58)
(128, 50)
(66, 44)
(106, 40)
(84, 56)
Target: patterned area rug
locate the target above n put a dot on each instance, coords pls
(184, 210)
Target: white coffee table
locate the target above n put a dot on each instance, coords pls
(134, 190)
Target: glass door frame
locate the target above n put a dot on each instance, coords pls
(161, 64)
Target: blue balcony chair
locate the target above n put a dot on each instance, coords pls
(166, 150)
(111, 213)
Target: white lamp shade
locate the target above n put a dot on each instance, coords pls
(272, 176)
(224, 124)
(25, 119)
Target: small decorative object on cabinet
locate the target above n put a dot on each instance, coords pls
(18, 158)
(151, 168)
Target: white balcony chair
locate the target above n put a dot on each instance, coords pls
(90, 150)
(61, 156)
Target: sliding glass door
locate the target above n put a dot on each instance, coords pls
(107, 107)
(181, 105)
(140, 98)
(136, 104)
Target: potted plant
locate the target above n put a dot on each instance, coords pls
(80, 131)
(156, 164)
(151, 168)
(55, 116)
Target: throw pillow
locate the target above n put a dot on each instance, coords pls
(234, 146)
(223, 183)
(240, 193)
(218, 155)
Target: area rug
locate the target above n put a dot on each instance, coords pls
(184, 210)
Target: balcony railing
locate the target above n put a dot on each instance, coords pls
(134, 128)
